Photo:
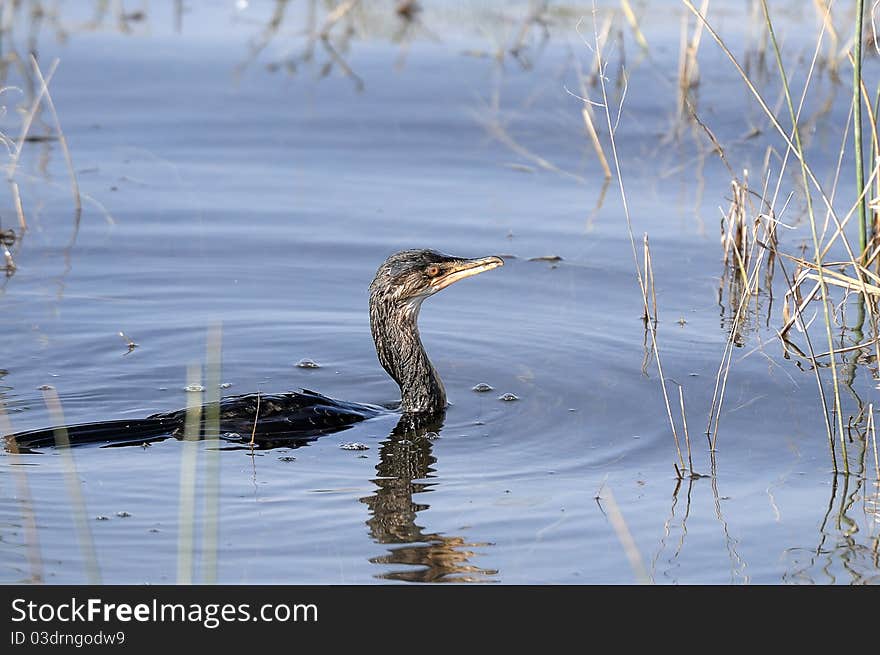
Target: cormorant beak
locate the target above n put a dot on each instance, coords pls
(464, 268)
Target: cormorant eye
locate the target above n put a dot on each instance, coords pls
(432, 271)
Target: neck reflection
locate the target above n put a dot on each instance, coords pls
(406, 465)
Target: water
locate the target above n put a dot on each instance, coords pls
(223, 191)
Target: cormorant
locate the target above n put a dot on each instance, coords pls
(400, 286)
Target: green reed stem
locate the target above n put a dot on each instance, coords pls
(857, 125)
(875, 153)
(815, 235)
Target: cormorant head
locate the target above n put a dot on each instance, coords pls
(410, 276)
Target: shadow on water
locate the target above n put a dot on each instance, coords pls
(405, 468)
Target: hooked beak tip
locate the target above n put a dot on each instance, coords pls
(468, 268)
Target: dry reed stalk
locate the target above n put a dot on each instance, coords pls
(642, 286)
(800, 301)
(337, 59)
(813, 358)
(688, 69)
(604, 32)
(497, 130)
(837, 170)
(615, 517)
(594, 138)
(646, 312)
(633, 21)
(187, 492)
(256, 418)
(849, 349)
(650, 311)
(74, 489)
(19, 208)
(844, 282)
(29, 119)
(74, 185)
(841, 224)
(534, 17)
(808, 178)
(25, 499)
(774, 121)
(682, 51)
(857, 283)
(338, 13)
(211, 521)
(750, 281)
(829, 430)
(587, 113)
(735, 238)
(268, 33)
(687, 439)
(716, 145)
(823, 9)
(799, 151)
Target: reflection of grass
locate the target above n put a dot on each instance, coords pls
(871, 430)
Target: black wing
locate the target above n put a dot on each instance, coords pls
(287, 419)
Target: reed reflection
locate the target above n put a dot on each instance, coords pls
(848, 550)
(405, 468)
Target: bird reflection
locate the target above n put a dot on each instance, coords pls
(406, 465)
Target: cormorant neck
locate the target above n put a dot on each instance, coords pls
(395, 329)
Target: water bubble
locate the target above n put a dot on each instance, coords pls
(307, 363)
(508, 397)
(354, 445)
(482, 387)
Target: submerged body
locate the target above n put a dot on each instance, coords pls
(286, 419)
(400, 286)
